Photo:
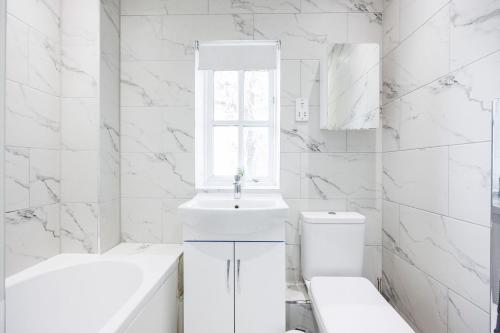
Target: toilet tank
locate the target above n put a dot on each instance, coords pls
(332, 244)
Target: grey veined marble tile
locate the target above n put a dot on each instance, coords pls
(353, 176)
(33, 236)
(454, 252)
(254, 6)
(420, 299)
(79, 223)
(163, 7)
(157, 84)
(475, 30)
(369, 6)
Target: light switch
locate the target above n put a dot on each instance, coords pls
(302, 109)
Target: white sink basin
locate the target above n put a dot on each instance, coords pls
(254, 217)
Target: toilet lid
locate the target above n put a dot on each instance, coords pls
(353, 305)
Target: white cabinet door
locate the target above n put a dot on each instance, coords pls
(208, 287)
(260, 287)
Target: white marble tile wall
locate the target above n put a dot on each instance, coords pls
(90, 136)
(80, 118)
(32, 136)
(62, 128)
(440, 59)
(321, 170)
(109, 139)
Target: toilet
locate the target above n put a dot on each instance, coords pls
(332, 247)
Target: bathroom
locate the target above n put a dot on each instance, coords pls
(142, 192)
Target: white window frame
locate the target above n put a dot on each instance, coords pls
(205, 179)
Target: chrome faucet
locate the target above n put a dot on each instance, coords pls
(237, 186)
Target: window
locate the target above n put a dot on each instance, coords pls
(237, 124)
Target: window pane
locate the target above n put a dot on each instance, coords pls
(225, 159)
(226, 94)
(257, 95)
(256, 145)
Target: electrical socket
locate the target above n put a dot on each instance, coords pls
(302, 109)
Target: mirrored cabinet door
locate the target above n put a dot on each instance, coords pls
(350, 89)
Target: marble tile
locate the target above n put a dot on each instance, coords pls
(157, 84)
(44, 63)
(475, 30)
(418, 178)
(110, 11)
(142, 220)
(453, 110)
(353, 176)
(465, 317)
(109, 224)
(364, 141)
(178, 173)
(290, 83)
(80, 70)
(391, 27)
(455, 253)
(163, 7)
(309, 81)
(420, 299)
(44, 16)
(142, 129)
(17, 50)
(160, 175)
(79, 123)
(472, 96)
(372, 210)
(375, 6)
(109, 170)
(296, 206)
(79, 223)
(290, 175)
(372, 263)
(300, 315)
(307, 136)
(407, 68)
(391, 126)
(470, 182)
(390, 225)
(79, 181)
(17, 180)
(80, 22)
(172, 226)
(31, 111)
(254, 6)
(178, 130)
(179, 32)
(33, 236)
(414, 13)
(45, 177)
(154, 129)
(364, 28)
(293, 270)
(302, 36)
(141, 38)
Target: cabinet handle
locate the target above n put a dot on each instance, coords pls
(228, 266)
(238, 271)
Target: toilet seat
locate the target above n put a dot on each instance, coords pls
(353, 305)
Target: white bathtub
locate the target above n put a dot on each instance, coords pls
(132, 288)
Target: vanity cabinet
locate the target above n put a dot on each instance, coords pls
(234, 287)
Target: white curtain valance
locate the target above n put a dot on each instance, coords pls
(238, 55)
